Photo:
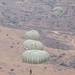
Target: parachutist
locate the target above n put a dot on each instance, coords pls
(30, 71)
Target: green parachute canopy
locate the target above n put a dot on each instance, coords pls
(33, 45)
(32, 34)
(35, 56)
(57, 10)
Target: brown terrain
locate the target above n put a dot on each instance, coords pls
(11, 49)
(57, 33)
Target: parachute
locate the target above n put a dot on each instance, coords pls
(57, 10)
(32, 34)
(33, 44)
(35, 56)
